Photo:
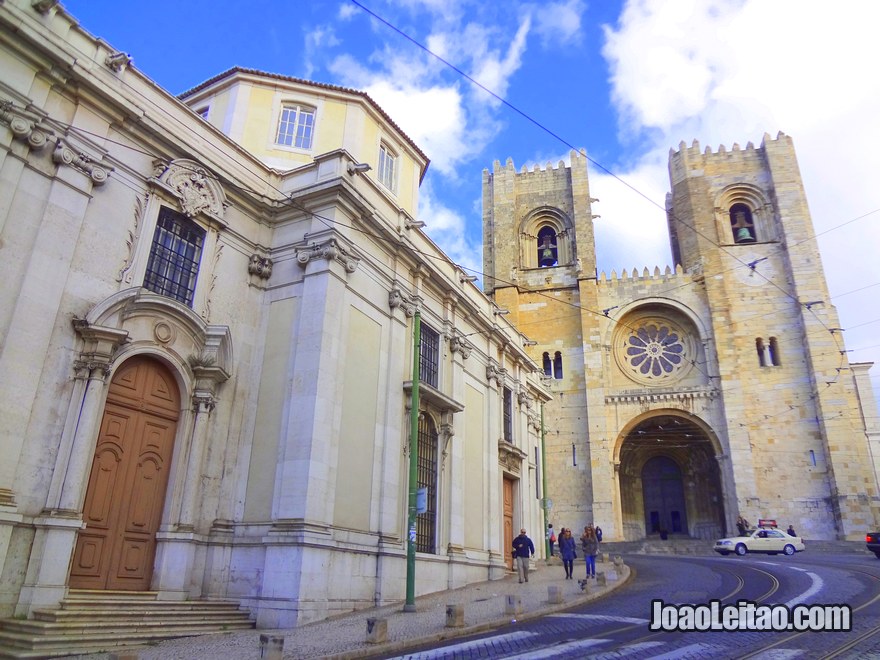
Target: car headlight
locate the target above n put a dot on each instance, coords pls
(724, 543)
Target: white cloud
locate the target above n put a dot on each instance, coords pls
(447, 117)
(317, 38)
(447, 228)
(725, 73)
(558, 23)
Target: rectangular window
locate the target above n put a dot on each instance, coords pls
(508, 415)
(426, 523)
(429, 356)
(174, 257)
(387, 167)
(296, 126)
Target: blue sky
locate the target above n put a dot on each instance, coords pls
(625, 80)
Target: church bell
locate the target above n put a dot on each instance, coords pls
(744, 235)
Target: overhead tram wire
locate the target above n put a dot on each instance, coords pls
(285, 197)
(590, 159)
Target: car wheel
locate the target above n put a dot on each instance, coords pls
(741, 549)
(788, 550)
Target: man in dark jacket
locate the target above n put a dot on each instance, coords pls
(523, 549)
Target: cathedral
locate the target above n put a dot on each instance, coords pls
(687, 397)
(234, 365)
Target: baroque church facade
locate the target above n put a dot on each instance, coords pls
(207, 356)
(684, 398)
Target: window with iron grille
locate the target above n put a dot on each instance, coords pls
(174, 257)
(426, 523)
(429, 356)
(508, 415)
(296, 126)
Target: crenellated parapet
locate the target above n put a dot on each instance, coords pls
(689, 159)
(667, 275)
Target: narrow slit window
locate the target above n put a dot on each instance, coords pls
(774, 352)
(548, 365)
(557, 365)
(762, 357)
(508, 414)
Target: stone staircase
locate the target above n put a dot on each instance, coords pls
(685, 545)
(101, 621)
(654, 545)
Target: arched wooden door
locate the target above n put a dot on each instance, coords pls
(126, 490)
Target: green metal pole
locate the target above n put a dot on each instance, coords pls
(410, 605)
(544, 487)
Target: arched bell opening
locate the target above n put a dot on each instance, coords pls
(670, 480)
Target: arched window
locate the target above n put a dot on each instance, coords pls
(774, 352)
(426, 523)
(742, 224)
(548, 365)
(557, 365)
(548, 253)
(762, 356)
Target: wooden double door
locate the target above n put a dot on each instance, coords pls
(663, 492)
(129, 476)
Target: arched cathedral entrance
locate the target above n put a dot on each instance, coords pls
(669, 479)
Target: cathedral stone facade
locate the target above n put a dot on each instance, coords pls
(686, 397)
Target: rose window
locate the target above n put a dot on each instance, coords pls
(655, 351)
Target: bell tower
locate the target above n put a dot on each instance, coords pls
(739, 224)
(539, 260)
(537, 225)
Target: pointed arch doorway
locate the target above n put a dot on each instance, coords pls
(126, 489)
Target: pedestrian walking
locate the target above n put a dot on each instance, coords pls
(523, 549)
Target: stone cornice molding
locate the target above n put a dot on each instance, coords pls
(329, 250)
(196, 189)
(67, 154)
(510, 457)
(169, 325)
(684, 399)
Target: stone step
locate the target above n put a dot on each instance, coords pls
(146, 606)
(134, 613)
(102, 621)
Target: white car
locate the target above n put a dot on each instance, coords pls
(770, 541)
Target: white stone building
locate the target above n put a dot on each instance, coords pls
(206, 347)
